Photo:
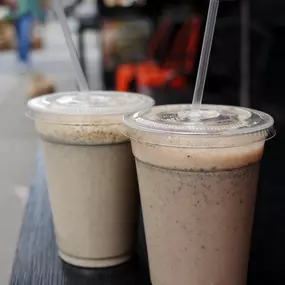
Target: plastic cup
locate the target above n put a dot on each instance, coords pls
(91, 174)
(198, 178)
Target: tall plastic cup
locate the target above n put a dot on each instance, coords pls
(198, 177)
(91, 173)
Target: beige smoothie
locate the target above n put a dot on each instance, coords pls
(91, 175)
(198, 220)
(94, 207)
(197, 202)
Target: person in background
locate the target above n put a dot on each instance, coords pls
(23, 14)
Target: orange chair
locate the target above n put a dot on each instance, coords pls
(159, 43)
(180, 62)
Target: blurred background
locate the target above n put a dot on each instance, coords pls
(151, 47)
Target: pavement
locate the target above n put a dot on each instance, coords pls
(18, 140)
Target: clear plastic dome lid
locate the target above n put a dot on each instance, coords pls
(211, 121)
(76, 107)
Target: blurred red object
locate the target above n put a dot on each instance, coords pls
(159, 43)
(9, 3)
(178, 64)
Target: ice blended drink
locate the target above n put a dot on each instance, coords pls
(198, 179)
(91, 174)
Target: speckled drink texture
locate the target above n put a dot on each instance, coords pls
(206, 159)
(82, 134)
(198, 208)
(92, 186)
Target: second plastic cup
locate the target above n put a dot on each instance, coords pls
(90, 173)
(198, 178)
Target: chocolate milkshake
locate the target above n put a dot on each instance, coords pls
(198, 181)
(90, 173)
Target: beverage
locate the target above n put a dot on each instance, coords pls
(198, 180)
(90, 173)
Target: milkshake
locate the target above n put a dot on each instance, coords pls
(198, 179)
(91, 174)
